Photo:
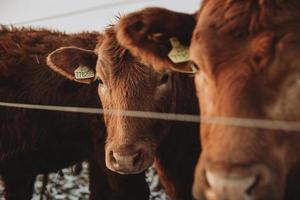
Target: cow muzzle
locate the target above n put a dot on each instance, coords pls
(232, 187)
(236, 182)
(128, 159)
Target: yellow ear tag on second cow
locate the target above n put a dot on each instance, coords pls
(84, 72)
(179, 53)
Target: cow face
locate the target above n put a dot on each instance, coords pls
(124, 84)
(240, 75)
(247, 80)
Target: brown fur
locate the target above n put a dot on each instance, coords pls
(247, 52)
(34, 142)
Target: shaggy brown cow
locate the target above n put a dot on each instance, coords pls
(133, 143)
(33, 142)
(247, 54)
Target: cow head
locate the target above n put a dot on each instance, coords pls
(130, 85)
(124, 84)
(253, 78)
(247, 68)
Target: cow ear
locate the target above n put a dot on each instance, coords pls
(157, 36)
(74, 63)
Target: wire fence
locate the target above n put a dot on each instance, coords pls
(241, 122)
(230, 121)
(82, 11)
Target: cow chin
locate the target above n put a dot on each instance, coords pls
(129, 159)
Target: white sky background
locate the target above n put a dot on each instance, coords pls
(16, 11)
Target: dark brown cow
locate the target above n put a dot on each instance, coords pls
(133, 143)
(247, 55)
(34, 142)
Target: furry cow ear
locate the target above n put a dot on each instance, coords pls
(157, 36)
(74, 63)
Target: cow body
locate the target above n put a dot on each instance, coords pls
(246, 53)
(36, 141)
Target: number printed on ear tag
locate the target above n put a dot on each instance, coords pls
(84, 72)
(179, 52)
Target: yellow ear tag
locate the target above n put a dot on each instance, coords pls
(179, 53)
(84, 72)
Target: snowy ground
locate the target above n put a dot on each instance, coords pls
(70, 187)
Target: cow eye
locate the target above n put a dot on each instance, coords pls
(164, 79)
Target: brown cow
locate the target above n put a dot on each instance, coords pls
(34, 142)
(133, 143)
(247, 55)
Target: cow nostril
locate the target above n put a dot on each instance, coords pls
(250, 189)
(113, 160)
(137, 158)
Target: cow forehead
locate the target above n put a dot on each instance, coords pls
(214, 48)
(216, 54)
(123, 74)
(124, 70)
(118, 61)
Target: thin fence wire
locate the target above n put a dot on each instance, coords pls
(241, 122)
(82, 11)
